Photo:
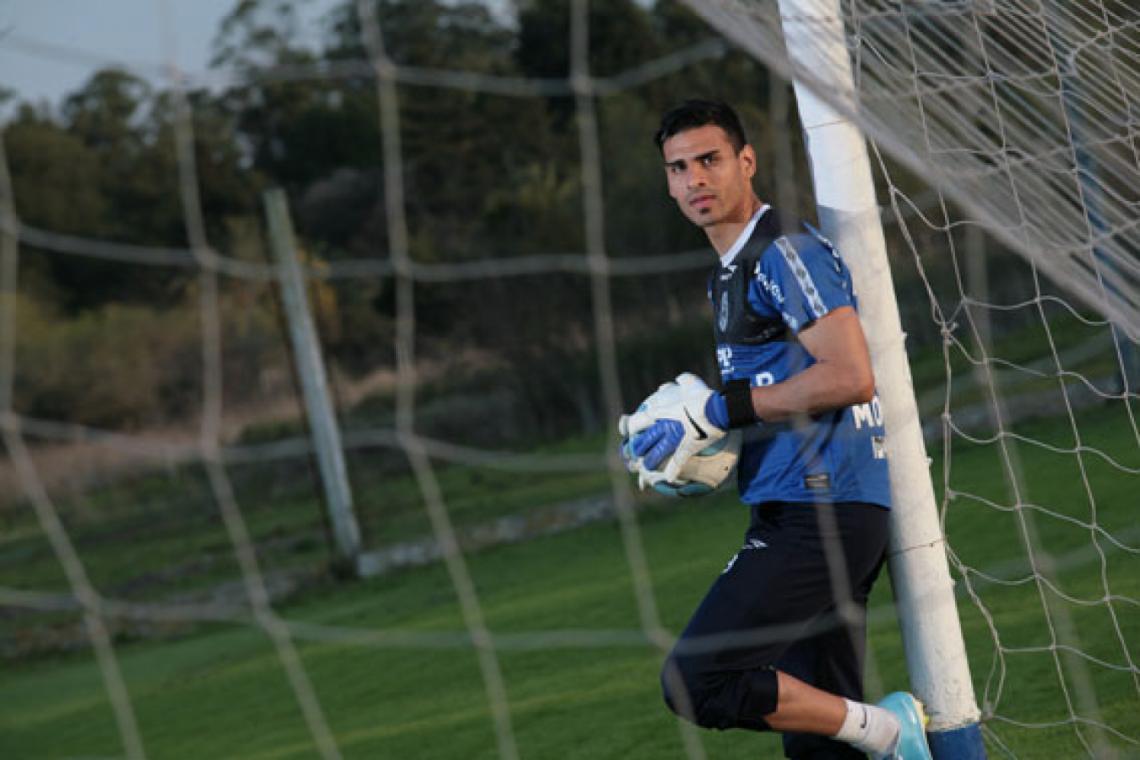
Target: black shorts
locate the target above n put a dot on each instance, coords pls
(779, 605)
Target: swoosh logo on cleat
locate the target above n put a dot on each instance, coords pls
(701, 434)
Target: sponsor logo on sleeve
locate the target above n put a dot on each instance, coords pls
(771, 287)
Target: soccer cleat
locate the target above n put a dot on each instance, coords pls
(911, 744)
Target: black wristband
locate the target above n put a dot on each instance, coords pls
(738, 400)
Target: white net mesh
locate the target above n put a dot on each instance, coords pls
(1022, 112)
(1044, 416)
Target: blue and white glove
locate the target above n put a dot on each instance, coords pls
(666, 394)
(676, 422)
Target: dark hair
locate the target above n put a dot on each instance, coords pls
(699, 113)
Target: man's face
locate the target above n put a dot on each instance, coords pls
(710, 181)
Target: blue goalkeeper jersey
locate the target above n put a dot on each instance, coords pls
(773, 283)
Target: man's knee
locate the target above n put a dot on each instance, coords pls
(715, 698)
(681, 686)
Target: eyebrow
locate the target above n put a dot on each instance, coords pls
(681, 161)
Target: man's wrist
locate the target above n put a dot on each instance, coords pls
(739, 411)
(716, 410)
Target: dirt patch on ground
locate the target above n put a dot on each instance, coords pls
(70, 459)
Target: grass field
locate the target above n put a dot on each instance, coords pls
(219, 690)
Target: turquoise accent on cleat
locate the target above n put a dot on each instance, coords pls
(911, 744)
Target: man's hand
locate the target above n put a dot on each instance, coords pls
(673, 424)
(666, 393)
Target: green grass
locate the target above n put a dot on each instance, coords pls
(222, 692)
(161, 535)
(1021, 365)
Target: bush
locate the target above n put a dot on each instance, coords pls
(127, 366)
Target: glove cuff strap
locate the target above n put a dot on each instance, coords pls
(738, 399)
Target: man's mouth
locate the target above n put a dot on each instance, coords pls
(700, 201)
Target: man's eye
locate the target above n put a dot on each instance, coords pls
(708, 160)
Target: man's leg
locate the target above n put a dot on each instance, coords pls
(830, 663)
(832, 660)
(723, 672)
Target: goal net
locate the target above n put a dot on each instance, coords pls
(1022, 112)
(495, 272)
(1019, 116)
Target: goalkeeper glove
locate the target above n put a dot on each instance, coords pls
(665, 394)
(678, 421)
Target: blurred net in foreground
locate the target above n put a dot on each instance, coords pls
(549, 293)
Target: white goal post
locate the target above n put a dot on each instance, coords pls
(849, 215)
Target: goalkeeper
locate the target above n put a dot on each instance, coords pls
(778, 641)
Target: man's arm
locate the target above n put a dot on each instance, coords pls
(841, 375)
(694, 416)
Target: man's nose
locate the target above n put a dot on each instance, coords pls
(697, 176)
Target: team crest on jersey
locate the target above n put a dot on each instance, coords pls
(724, 359)
(722, 313)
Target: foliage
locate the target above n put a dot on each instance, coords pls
(485, 176)
(126, 366)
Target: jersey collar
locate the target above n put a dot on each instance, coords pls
(730, 255)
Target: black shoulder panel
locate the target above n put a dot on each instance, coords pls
(734, 320)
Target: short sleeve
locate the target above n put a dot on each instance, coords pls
(801, 278)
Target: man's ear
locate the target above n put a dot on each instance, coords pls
(748, 156)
